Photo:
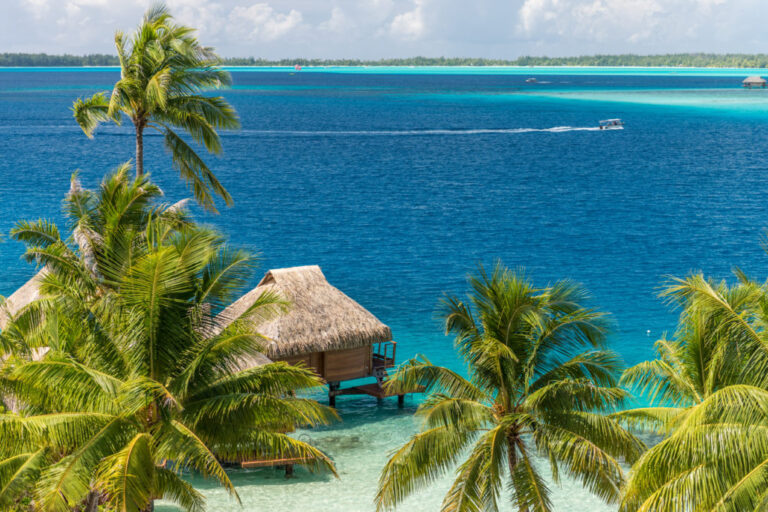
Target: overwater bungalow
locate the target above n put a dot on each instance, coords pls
(323, 329)
(754, 81)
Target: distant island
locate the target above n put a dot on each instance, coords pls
(699, 60)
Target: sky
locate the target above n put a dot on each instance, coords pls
(371, 29)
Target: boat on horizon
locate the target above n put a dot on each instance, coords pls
(611, 124)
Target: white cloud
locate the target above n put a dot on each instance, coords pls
(388, 28)
(89, 3)
(339, 22)
(72, 10)
(410, 24)
(596, 20)
(642, 26)
(37, 7)
(263, 22)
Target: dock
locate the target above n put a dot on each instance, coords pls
(271, 463)
(373, 389)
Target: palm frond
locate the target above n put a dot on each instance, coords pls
(195, 172)
(531, 491)
(423, 459)
(420, 372)
(41, 233)
(90, 112)
(178, 443)
(127, 477)
(18, 474)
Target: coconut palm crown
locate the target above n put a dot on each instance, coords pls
(539, 379)
(164, 73)
(715, 456)
(120, 374)
(700, 360)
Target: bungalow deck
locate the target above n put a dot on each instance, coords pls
(270, 463)
(373, 389)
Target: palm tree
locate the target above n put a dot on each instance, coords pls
(717, 453)
(164, 73)
(539, 377)
(691, 367)
(138, 380)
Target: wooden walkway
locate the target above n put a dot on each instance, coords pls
(373, 389)
(271, 463)
(367, 389)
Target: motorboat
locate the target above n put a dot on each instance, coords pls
(611, 124)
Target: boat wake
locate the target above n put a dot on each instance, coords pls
(396, 133)
(113, 130)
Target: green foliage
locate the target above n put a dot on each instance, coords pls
(711, 392)
(540, 381)
(138, 381)
(46, 60)
(703, 60)
(165, 75)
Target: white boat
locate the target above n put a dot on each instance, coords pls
(531, 80)
(611, 124)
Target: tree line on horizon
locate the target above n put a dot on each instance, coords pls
(702, 60)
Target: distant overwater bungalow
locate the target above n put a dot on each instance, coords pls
(754, 81)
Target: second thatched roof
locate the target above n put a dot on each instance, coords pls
(320, 317)
(29, 292)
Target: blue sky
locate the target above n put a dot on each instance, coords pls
(400, 28)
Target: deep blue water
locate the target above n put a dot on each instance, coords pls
(400, 196)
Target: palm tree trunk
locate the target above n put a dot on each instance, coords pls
(91, 502)
(139, 148)
(512, 461)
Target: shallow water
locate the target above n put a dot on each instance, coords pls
(399, 184)
(360, 447)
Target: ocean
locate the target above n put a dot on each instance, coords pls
(399, 182)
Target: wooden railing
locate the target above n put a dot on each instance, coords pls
(384, 354)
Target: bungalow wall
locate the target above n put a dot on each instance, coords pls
(337, 365)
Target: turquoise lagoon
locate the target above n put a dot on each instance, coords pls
(457, 70)
(398, 181)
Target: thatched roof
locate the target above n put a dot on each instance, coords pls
(320, 317)
(25, 295)
(754, 80)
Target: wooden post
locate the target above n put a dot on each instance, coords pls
(400, 400)
(332, 388)
(288, 470)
